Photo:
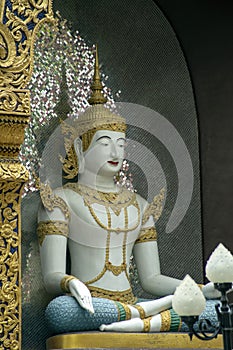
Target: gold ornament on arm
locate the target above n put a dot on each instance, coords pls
(51, 201)
(155, 208)
(147, 234)
(46, 228)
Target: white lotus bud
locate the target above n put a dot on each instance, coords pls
(219, 267)
(188, 298)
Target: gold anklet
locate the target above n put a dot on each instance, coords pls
(141, 311)
(146, 323)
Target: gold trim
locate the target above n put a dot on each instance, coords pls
(147, 234)
(13, 171)
(125, 296)
(108, 266)
(114, 200)
(146, 323)
(165, 321)
(10, 261)
(92, 340)
(16, 70)
(127, 311)
(8, 47)
(14, 117)
(46, 228)
(97, 96)
(65, 283)
(15, 102)
(51, 201)
(140, 310)
(88, 136)
(155, 208)
(2, 8)
(118, 229)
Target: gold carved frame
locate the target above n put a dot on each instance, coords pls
(20, 20)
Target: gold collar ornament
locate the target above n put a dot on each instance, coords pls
(114, 200)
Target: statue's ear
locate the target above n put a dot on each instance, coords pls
(79, 152)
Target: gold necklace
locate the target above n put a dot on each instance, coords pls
(108, 266)
(118, 229)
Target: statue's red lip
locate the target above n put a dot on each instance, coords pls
(113, 163)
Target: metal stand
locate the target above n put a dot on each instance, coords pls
(225, 320)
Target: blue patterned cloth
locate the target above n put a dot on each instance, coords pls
(64, 315)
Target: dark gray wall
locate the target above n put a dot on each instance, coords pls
(205, 31)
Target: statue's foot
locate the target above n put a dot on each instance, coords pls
(154, 307)
(134, 325)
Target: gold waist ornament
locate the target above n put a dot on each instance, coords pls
(125, 296)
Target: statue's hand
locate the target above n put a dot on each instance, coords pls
(210, 292)
(81, 294)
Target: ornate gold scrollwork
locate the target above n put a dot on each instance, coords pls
(7, 47)
(17, 36)
(15, 101)
(20, 20)
(2, 7)
(10, 256)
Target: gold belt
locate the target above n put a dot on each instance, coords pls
(125, 296)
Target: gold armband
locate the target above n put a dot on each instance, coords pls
(46, 228)
(65, 283)
(200, 285)
(147, 234)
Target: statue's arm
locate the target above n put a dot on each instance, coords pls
(148, 265)
(146, 256)
(53, 262)
(53, 229)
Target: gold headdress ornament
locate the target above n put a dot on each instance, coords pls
(96, 117)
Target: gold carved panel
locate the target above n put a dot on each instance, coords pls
(20, 21)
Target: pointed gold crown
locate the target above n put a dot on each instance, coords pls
(98, 117)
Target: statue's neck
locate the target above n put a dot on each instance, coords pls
(98, 182)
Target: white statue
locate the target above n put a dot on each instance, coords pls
(102, 225)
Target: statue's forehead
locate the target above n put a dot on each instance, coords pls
(114, 135)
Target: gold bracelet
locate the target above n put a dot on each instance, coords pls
(65, 283)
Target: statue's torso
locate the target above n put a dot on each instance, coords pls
(101, 238)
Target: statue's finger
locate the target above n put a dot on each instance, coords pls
(90, 305)
(86, 304)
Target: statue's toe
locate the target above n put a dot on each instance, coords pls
(103, 327)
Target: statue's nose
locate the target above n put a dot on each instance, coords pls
(113, 151)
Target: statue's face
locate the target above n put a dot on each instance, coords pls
(105, 154)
